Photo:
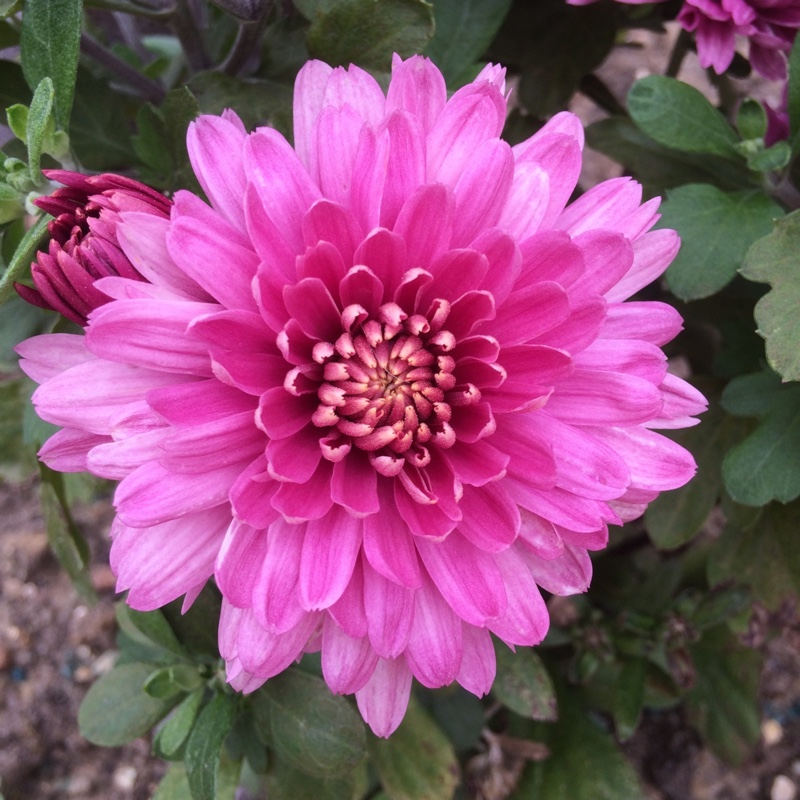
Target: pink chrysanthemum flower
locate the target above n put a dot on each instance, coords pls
(769, 25)
(83, 245)
(383, 389)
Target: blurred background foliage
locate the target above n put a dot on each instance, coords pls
(111, 85)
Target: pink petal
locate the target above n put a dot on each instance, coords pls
(215, 149)
(569, 573)
(162, 562)
(478, 666)
(405, 170)
(238, 563)
(48, 355)
(652, 254)
(347, 664)
(251, 495)
(309, 500)
(197, 402)
(390, 613)
(330, 548)
(491, 518)
(425, 242)
(650, 321)
(417, 87)
(466, 576)
(383, 700)
(309, 90)
(66, 450)
(354, 485)
(349, 610)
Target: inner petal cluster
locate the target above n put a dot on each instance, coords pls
(389, 387)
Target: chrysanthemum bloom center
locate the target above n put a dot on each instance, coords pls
(389, 386)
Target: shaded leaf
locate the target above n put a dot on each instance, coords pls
(658, 167)
(100, 127)
(761, 553)
(629, 697)
(775, 260)
(310, 728)
(464, 29)
(569, 43)
(793, 94)
(51, 32)
(148, 627)
(196, 629)
(523, 683)
(64, 538)
(458, 713)
(716, 229)
(116, 708)
(585, 762)
(764, 466)
(368, 32)
(39, 126)
(174, 785)
(173, 680)
(286, 782)
(204, 746)
(417, 761)
(723, 704)
(673, 518)
(678, 115)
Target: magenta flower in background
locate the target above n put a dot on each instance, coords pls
(769, 25)
(383, 389)
(84, 245)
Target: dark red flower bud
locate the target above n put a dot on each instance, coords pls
(84, 245)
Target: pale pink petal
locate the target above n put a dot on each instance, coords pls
(44, 357)
(569, 573)
(347, 664)
(238, 563)
(478, 665)
(66, 450)
(383, 700)
(391, 613)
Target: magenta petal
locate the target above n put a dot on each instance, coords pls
(385, 254)
(332, 223)
(540, 536)
(347, 664)
(388, 544)
(239, 561)
(656, 323)
(405, 170)
(309, 500)
(530, 312)
(383, 700)
(478, 463)
(281, 414)
(349, 610)
(330, 548)
(354, 485)
(466, 576)
(418, 88)
(425, 242)
(265, 654)
(491, 518)
(478, 666)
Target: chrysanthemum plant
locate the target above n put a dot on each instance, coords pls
(392, 394)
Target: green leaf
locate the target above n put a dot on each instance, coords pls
(174, 785)
(173, 680)
(678, 115)
(417, 761)
(775, 260)
(716, 229)
(368, 32)
(723, 704)
(751, 119)
(149, 628)
(116, 708)
(100, 128)
(762, 554)
(65, 539)
(565, 45)
(286, 782)
(585, 762)
(51, 33)
(629, 697)
(204, 746)
(523, 684)
(793, 93)
(660, 168)
(25, 253)
(673, 518)
(196, 629)
(464, 29)
(770, 159)
(257, 102)
(17, 117)
(764, 466)
(39, 126)
(317, 732)
(176, 728)
(457, 712)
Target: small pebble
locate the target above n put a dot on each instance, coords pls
(104, 663)
(771, 732)
(83, 674)
(125, 778)
(783, 788)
